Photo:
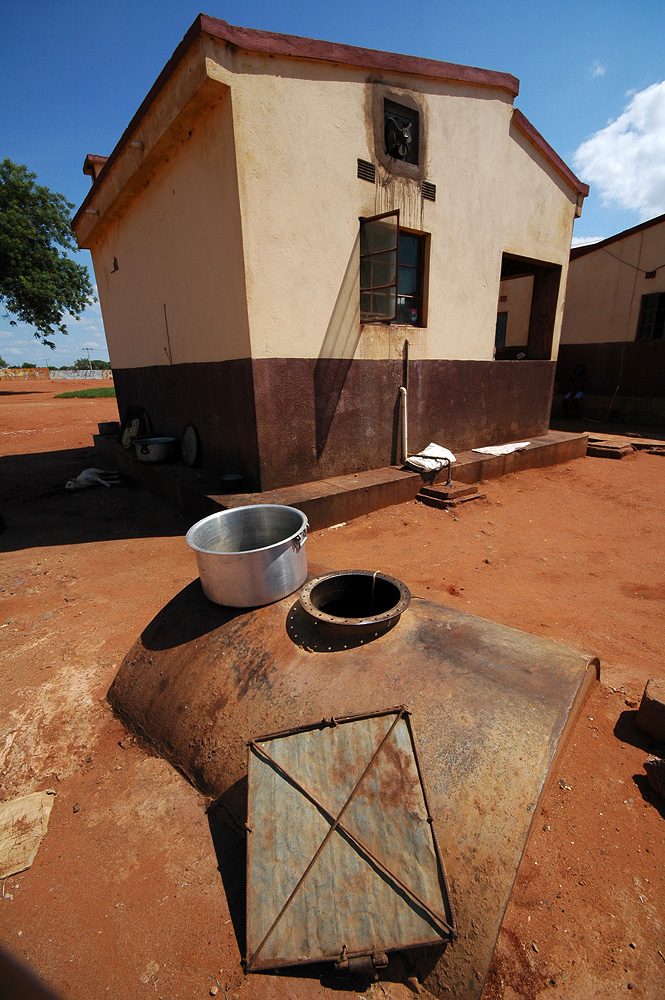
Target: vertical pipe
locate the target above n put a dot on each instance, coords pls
(403, 393)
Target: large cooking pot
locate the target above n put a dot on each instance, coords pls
(250, 556)
(154, 449)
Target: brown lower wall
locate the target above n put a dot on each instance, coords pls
(279, 422)
(217, 398)
(635, 366)
(323, 418)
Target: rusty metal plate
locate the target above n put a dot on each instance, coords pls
(342, 860)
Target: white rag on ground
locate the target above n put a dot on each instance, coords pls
(431, 459)
(503, 449)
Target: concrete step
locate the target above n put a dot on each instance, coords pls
(448, 492)
(444, 503)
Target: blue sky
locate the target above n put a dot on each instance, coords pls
(73, 73)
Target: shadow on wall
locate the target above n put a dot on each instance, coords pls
(337, 350)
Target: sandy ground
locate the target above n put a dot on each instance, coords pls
(125, 897)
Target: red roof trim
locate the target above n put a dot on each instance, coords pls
(590, 247)
(350, 55)
(301, 48)
(525, 126)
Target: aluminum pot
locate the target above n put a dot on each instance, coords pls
(250, 556)
(154, 449)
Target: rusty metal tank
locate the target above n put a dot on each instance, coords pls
(490, 707)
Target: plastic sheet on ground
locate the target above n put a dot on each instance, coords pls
(23, 825)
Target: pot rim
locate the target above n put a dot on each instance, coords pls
(245, 552)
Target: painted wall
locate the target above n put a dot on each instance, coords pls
(517, 304)
(226, 251)
(248, 227)
(605, 288)
(169, 266)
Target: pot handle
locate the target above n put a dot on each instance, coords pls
(300, 539)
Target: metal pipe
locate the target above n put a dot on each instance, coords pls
(405, 426)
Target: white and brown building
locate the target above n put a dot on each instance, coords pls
(245, 288)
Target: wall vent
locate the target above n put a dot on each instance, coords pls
(366, 171)
(428, 191)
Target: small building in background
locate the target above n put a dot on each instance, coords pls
(290, 230)
(614, 323)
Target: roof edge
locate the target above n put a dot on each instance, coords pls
(534, 136)
(590, 247)
(300, 47)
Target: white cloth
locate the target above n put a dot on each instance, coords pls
(430, 459)
(503, 449)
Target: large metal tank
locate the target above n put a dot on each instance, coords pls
(489, 705)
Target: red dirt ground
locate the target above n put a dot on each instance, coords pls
(125, 899)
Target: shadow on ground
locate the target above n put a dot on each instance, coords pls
(39, 511)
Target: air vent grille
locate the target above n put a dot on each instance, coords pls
(366, 171)
(428, 191)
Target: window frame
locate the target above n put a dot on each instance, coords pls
(651, 321)
(421, 267)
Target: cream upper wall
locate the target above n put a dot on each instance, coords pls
(260, 255)
(518, 292)
(299, 138)
(604, 294)
(178, 294)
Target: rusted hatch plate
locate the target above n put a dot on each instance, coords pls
(342, 860)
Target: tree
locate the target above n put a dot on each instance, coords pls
(39, 283)
(3, 363)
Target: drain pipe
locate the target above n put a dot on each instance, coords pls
(403, 400)
(405, 428)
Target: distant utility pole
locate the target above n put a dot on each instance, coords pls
(88, 351)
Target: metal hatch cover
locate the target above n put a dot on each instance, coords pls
(342, 858)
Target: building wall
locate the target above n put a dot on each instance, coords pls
(604, 293)
(169, 267)
(237, 249)
(517, 304)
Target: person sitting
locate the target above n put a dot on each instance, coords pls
(576, 391)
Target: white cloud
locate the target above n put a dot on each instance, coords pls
(596, 69)
(625, 160)
(584, 241)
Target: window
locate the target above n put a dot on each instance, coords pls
(651, 324)
(392, 272)
(400, 131)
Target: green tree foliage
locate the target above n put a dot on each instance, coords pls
(39, 283)
(84, 363)
(3, 363)
(29, 364)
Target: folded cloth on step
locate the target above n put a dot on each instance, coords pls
(503, 449)
(430, 459)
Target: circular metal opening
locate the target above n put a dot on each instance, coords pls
(355, 597)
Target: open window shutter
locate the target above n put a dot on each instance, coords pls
(379, 238)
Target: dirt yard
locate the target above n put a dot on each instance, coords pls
(125, 898)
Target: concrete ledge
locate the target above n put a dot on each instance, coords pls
(342, 498)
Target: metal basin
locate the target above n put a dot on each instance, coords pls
(154, 449)
(250, 556)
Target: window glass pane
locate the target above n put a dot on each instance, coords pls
(408, 249)
(407, 282)
(377, 305)
(380, 235)
(407, 310)
(377, 270)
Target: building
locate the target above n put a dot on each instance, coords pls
(614, 321)
(247, 286)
